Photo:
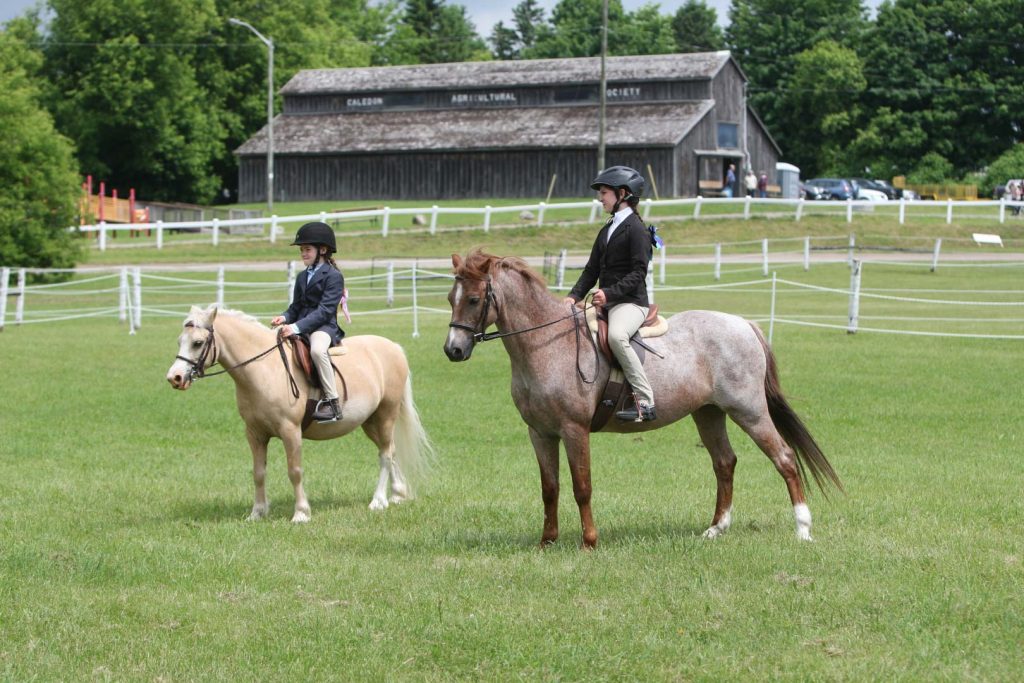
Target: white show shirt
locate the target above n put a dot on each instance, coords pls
(620, 215)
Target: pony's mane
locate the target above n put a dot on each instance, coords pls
(201, 316)
(478, 264)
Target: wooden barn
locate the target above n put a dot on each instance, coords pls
(504, 129)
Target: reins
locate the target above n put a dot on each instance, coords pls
(480, 336)
(198, 370)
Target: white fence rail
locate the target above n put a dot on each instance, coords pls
(567, 212)
(130, 294)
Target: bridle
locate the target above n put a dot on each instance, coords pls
(479, 335)
(197, 367)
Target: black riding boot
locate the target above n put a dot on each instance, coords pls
(327, 410)
(642, 411)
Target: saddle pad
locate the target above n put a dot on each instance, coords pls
(339, 350)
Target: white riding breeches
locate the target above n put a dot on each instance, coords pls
(623, 321)
(319, 351)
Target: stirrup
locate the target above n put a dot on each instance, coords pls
(640, 412)
(327, 410)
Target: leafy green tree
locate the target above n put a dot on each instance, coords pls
(766, 36)
(932, 168)
(822, 94)
(37, 164)
(1009, 164)
(643, 32)
(950, 72)
(695, 27)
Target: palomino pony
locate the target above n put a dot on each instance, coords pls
(379, 399)
(712, 365)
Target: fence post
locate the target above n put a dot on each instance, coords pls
(746, 210)
(390, 282)
(799, 209)
(415, 306)
(386, 222)
(1002, 209)
(696, 207)
(159, 234)
(854, 315)
(273, 228)
(661, 264)
(216, 231)
(718, 260)
(807, 253)
(949, 211)
(5, 275)
(594, 205)
(935, 254)
(220, 287)
(560, 276)
(540, 215)
(138, 298)
(19, 303)
(903, 210)
(647, 208)
(849, 255)
(771, 314)
(433, 220)
(849, 210)
(323, 216)
(103, 235)
(487, 218)
(291, 281)
(764, 257)
(122, 299)
(650, 282)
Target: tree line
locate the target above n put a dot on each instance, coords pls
(156, 94)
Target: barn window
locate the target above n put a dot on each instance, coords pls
(728, 135)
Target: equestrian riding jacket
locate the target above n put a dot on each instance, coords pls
(315, 304)
(619, 263)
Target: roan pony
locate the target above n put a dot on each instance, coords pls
(379, 399)
(714, 365)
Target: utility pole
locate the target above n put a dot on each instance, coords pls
(604, 87)
(270, 109)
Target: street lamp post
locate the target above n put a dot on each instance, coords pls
(270, 110)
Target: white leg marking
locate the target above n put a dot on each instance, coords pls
(803, 521)
(716, 530)
(380, 495)
(259, 511)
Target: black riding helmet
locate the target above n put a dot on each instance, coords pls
(316, 233)
(620, 176)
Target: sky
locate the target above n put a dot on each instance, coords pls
(484, 13)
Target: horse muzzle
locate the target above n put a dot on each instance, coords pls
(458, 352)
(180, 379)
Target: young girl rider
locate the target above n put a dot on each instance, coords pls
(618, 260)
(313, 312)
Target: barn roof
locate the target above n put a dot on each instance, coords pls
(526, 72)
(479, 129)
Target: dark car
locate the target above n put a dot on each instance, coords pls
(814, 192)
(880, 185)
(837, 188)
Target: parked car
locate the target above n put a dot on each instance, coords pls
(909, 195)
(867, 194)
(838, 188)
(885, 188)
(814, 192)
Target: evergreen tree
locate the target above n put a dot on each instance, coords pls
(504, 42)
(695, 27)
(528, 18)
(37, 165)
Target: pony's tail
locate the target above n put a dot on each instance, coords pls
(414, 453)
(791, 427)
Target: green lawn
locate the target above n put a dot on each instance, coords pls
(124, 554)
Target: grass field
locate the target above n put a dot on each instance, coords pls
(124, 554)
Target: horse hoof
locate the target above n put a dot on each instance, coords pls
(397, 499)
(300, 517)
(378, 504)
(712, 532)
(258, 512)
(804, 535)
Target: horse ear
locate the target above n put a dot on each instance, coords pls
(211, 314)
(456, 261)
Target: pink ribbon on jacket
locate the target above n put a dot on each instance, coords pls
(344, 305)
